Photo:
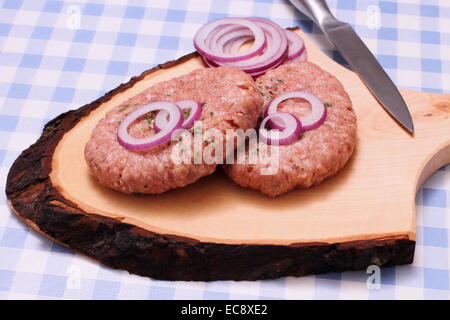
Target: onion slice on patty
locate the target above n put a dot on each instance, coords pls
(175, 121)
(313, 120)
(193, 108)
(292, 128)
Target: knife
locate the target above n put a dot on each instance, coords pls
(359, 57)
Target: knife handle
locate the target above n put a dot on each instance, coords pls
(317, 10)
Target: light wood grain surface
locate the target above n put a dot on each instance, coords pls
(373, 197)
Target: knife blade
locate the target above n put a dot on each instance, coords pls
(360, 59)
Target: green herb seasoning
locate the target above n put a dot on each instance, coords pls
(327, 105)
(149, 118)
(209, 140)
(211, 113)
(296, 166)
(186, 114)
(125, 107)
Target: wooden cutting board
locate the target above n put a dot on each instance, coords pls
(215, 230)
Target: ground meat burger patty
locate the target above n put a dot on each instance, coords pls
(230, 100)
(317, 154)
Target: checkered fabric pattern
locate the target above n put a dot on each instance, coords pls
(57, 55)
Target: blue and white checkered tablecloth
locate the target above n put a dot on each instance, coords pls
(59, 55)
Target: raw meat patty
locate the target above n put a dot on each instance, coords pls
(230, 100)
(319, 153)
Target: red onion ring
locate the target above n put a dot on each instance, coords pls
(274, 53)
(296, 45)
(195, 112)
(226, 38)
(209, 63)
(227, 34)
(135, 144)
(260, 73)
(311, 121)
(302, 57)
(234, 45)
(213, 53)
(292, 128)
(214, 34)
